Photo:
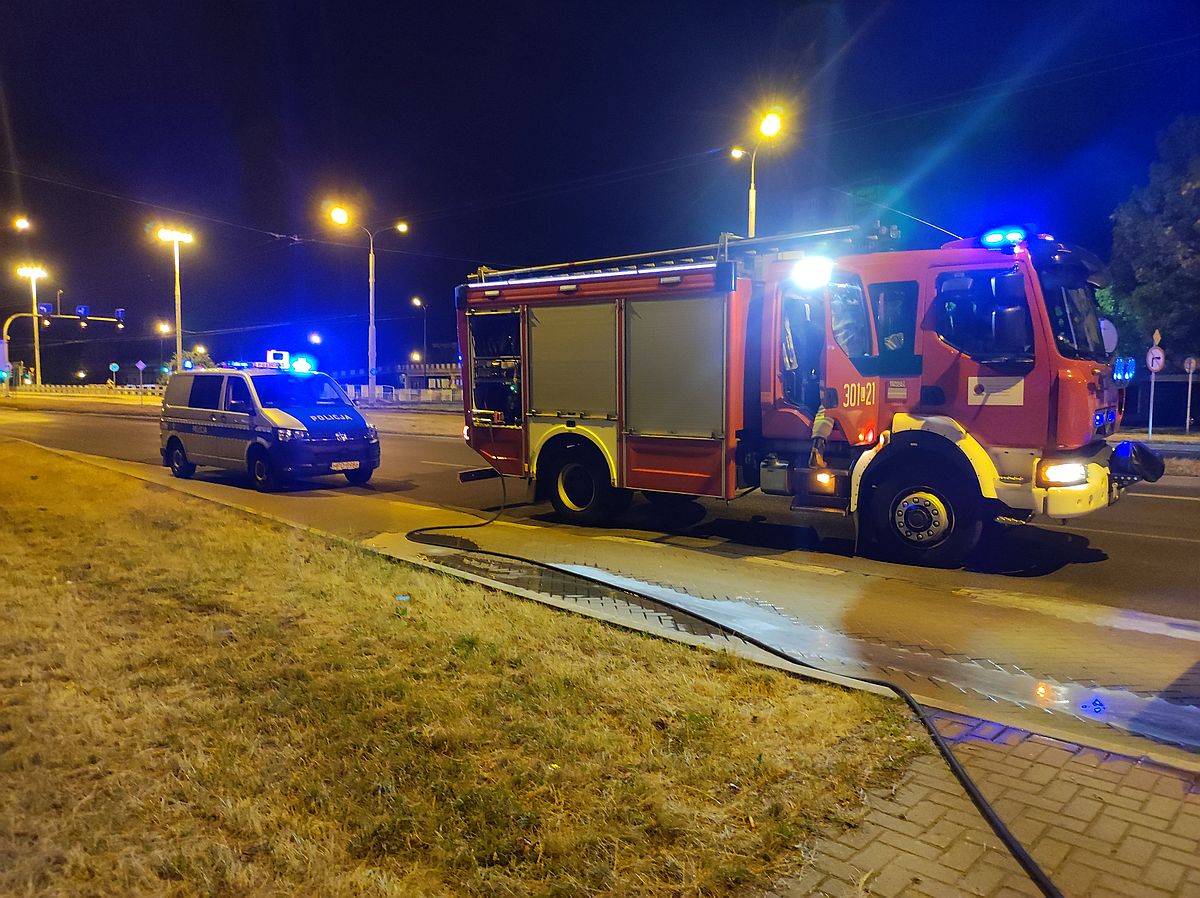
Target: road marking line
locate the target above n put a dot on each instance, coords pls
(1176, 539)
(1165, 496)
(795, 565)
(447, 464)
(621, 539)
(1083, 613)
(518, 526)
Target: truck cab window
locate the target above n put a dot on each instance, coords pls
(985, 315)
(496, 354)
(895, 308)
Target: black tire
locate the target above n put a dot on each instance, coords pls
(924, 516)
(359, 476)
(263, 473)
(177, 459)
(581, 491)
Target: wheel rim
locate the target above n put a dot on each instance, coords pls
(260, 470)
(921, 518)
(177, 459)
(576, 490)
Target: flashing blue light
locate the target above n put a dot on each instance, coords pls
(1001, 236)
(188, 364)
(1112, 416)
(302, 364)
(1098, 419)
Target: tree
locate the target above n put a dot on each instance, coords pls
(1156, 245)
(198, 360)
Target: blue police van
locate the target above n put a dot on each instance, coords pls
(272, 424)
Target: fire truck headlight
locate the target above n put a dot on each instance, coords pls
(1061, 474)
(812, 272)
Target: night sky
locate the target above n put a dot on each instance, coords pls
(525, 133)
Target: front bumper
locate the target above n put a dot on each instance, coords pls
(314, 458)
(1110, 471)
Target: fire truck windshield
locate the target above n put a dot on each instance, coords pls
(1074, 316)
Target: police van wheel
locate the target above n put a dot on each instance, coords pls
(263, 472)
(581, 491)
(925, 517)
(360, 476)
(180, 466)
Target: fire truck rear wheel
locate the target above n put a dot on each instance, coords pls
(925, 517)
(581, 491)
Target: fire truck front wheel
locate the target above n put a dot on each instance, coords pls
(581, 491)
(925, 516)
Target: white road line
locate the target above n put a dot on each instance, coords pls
(447, 464)
(1164, 496)
(1177, 539)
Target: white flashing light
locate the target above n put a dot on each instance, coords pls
(812, 272)
(301, 365)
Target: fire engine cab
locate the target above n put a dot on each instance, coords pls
(965, 384)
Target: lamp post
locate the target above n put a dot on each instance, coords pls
(768, 128)
(341, 217)
(33, 273)
(21, 223)
(169, 235)
(419, 304)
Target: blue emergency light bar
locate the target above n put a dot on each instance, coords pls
(998, 237)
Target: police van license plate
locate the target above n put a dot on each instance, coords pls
(344, 466)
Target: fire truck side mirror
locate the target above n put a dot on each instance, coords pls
(1108, 333)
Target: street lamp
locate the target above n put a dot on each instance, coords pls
(163, 329)
(33, 273)
(414, 356)
(199, 349)
(314, 338)
(340, 216)
(21, 223)
(417, 303)
(768, 129)
(170, 235)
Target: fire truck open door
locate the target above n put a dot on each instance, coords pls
(497, 419)
(851, 383)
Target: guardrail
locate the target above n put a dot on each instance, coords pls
(97, 390)
(392, 396)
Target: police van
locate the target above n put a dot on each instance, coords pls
(270, 423)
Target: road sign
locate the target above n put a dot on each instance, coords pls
(1190, 364)
(45, 308)
(82, 311)
(114, 367)
(1155, 359)
(141, 366)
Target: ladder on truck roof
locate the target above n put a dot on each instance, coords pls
(727, 246)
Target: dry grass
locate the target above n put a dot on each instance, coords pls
(196, 702)
(1187, 467)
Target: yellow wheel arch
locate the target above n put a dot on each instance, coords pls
(603, 439)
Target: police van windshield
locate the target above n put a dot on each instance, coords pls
(284, 390)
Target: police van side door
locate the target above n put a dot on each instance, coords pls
(235, 421)
(200, 439)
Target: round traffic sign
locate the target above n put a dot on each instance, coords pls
(1155, 359)
(114, 367)
(1190, 364)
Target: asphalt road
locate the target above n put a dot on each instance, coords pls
(1143, 554)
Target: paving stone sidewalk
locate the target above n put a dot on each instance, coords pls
(1100, 824)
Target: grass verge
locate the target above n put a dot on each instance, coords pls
(194, 701)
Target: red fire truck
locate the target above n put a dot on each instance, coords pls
(966, 384)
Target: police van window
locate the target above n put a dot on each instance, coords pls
(237, 395)
(206, 391)
(179, 388)
(894, 306)
(985, 314)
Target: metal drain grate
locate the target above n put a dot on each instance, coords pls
(583, 592)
